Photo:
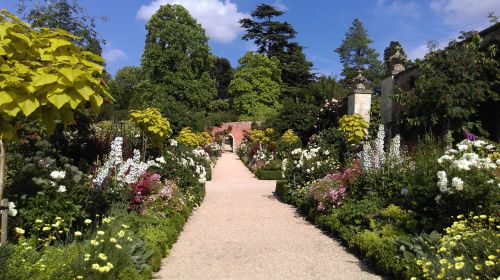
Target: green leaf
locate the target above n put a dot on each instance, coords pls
(45, 79)
(5, 98)
(27, 103)
(56, 43)
(23, 37)
(71, 74)
(85, 91)
(58, 99)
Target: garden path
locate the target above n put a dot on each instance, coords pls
(242, 232)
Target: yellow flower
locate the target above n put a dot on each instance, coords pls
(125, 226)
(129, 239)
(87, 221)
(419, 262)
(478, 267)
(45, 228)
(460, 217)
(483, 217)
(19, 230)
(110, 265)
(106, 220)
(103, 269)
(491, 257)
(121, 233)
(79, 277)
(38, 221)
(100, 232)
(489, 263)
(459, 265)
(95, 266)
(413, 278)
(94, 242)
(118, 246)
(112, 240)
(102, 256)
(461, 258)
(443, 261)
(78, 233)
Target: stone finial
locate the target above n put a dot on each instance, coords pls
(397, 61)
(359, 80)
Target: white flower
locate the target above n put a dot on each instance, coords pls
(445, 158)
(438, 198)
(326, 152)
(57, 174)
(173, 143)
(479, 143)
(462, 147)
(441, 174)
(457, 183)
(161, 160)
(489, 147)
(61, 189)
(12, 211)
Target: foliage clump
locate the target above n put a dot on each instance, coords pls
(44, 75)
(354, 127)
(152, 123)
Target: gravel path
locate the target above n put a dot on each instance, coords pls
(242, 232)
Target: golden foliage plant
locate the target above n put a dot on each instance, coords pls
(189, 138)
(152, 123)
(354, 126)
(43, 74)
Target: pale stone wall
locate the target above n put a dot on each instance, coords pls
(360, 102)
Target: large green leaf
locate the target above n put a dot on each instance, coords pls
(71, 74)
(27, 103)
(45, 79)
(85, 91)
(57, 42)
(58, 99)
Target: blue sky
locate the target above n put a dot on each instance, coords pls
(321, 24)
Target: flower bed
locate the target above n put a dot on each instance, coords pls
(116, 223)
(424, 216)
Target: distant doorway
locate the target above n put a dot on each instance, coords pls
(228, 143)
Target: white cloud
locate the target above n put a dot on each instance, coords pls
(219, 18)
(278, 4)
(465, 13)
(111, 55)
(398, 7)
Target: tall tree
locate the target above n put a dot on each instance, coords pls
(256, 87)
(273, 39)
(177, 58)
(222, 73)
(355, 53)
(66, 15)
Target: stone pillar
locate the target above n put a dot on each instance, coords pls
(388, 85)
(360, 100)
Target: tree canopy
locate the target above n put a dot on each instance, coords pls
(452, 88)
(256, 87)
(273, 39)
(355, 53)
(176, 63)
(66, 15)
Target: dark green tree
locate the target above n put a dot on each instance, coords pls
(273, 39)
(455, 89)
(355, 53)
(66, 15)
(123, 87)
(177, 61)
(222, 74)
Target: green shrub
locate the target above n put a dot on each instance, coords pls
(282, 191)
(268, 175)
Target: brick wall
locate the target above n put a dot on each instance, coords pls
(237, 131)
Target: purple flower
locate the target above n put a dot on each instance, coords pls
(469, 136)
